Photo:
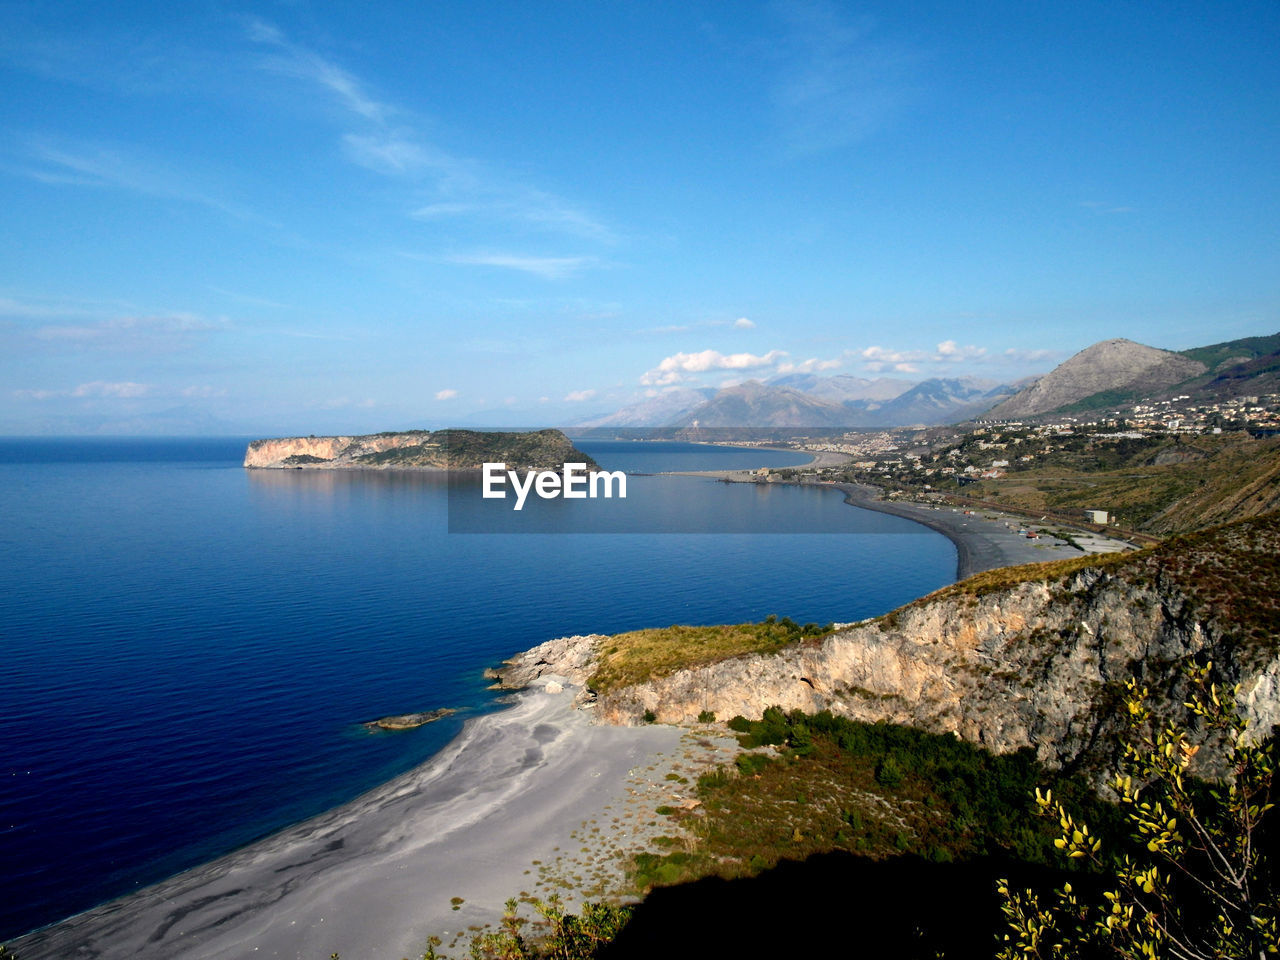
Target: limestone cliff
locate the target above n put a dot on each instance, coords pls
(418, 449)
(1031, 656)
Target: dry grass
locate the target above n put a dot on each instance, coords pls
(641, 655)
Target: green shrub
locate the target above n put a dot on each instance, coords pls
(750, 764)
(889, 773)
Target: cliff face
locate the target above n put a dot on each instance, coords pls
(277, 453)
(418, 449)
(1036, 663)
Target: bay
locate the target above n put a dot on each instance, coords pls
(188, 649)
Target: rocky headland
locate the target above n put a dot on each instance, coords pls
(1032, 656)
(417, 450)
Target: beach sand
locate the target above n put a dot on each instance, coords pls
(531, 799)
(985, 539)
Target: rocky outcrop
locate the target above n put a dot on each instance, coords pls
(1040, 665)
(1038, 661)
(418, 450)
(410, 721)
(328, 451)
(573, 658)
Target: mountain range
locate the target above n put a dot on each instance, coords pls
(807, 400)
(1105, 375)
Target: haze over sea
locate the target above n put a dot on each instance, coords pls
(187, 648)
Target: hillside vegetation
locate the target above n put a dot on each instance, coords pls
(1230, 575)
(1176, 485)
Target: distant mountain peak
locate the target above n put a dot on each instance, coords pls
(1107, 366)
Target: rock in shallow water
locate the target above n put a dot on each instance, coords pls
(407, 721)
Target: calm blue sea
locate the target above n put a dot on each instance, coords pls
(187, 648)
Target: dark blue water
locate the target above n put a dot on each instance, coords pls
(187, 648)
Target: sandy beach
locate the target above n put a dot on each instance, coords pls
(531, 799)
(984, 539)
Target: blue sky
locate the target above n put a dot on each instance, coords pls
(309, 218)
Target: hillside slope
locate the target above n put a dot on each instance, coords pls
(1113, 366)
(1174, 485)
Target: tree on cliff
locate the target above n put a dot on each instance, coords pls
(1198, 882)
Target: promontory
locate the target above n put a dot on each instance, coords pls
(418, 450)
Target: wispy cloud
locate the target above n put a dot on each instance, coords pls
(549, 268)
(61, 161)
(96, 389)
(535, 208)
(396, 152)
(579, 396)
(166, 333)
(446, 394)
(1017, 355)
(388, 140)
(742, 323)
(675, 368)
(295, 60)
(836, 81)
(39, 309)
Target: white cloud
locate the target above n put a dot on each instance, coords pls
(549, 268)
(673, 369)
(446, 394)
(878, 360)
(812, 365)
(742, 323)
(951, 352)
(579, 396)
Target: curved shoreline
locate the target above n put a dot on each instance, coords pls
(435, 851)
(984, 539)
